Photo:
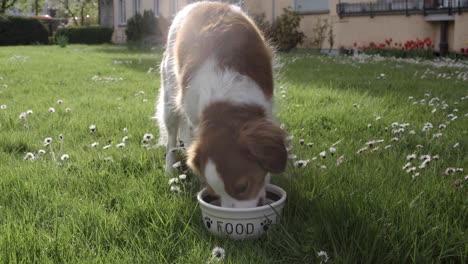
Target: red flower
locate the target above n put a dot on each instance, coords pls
(462, 50)
(355, 44)
(382, 45)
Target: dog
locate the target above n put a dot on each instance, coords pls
(217, 97)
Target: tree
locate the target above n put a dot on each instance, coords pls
(5, 5)
(82, 9)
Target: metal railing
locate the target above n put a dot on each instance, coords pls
(388, 7)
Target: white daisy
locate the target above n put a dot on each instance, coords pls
(22, 116)
(323, 154)
(292, 157)
(65, 157)
(68, 110)
(41, 152)
(175, 189)
(412, 132)
(29, 112)
(125, 130)
(355, 105)
(456, 145)
(173, 180)
(121, 145)
(388, 146)
(148, 137)
(95, 144)
(59, 101)
(301, 163)
(411, 157)
(182, 177)
(369, 125)
(394, 139)
(5, 86)
(177, 164)
(301, 141)
(51, 110)
(106, 147)
(395, 124)
(419, 146)
(47, 141)
(289, 138)
(361, 150)
(109, 158)
(29, 156)
(436, 135)
(3, 107)
(407, 165)
(124, 139)
(310, 144)
(92, 128)
(332, 151)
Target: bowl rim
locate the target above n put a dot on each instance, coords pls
(269, 187)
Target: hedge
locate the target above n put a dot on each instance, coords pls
(86, 35)
(17, 30)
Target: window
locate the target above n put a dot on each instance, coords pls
(122, 16)
(136, 7)
(156, 7)
(311, 6)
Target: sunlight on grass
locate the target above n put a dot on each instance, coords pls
(114, 204)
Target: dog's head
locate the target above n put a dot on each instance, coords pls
(235, 164)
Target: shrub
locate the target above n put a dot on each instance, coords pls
(283, 33)
(62, 41)
(143, 29)
(85, 35)
(16, 30)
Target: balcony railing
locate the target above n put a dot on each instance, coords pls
(389, 7)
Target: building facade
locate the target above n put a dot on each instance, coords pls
(445, 22)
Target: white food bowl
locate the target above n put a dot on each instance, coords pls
(242, 223)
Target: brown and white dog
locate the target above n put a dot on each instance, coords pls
(217, 88)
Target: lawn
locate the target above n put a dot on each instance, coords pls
(114, 205)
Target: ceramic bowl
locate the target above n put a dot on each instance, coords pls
(242, 223)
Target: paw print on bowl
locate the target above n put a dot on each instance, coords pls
(208, 222)
(266, 224)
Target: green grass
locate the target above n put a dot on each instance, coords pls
(87, 210)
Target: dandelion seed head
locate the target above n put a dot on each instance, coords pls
(218, 253)
(323, 255)
(323, 154)
(332, 150)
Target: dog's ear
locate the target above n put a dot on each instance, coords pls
(264, 142)
(194, 158)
